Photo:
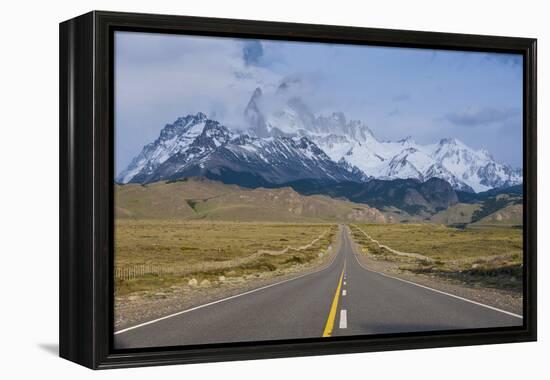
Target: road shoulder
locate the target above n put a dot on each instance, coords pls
(506, 300)
(133, 310)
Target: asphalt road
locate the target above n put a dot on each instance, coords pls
(343, 299)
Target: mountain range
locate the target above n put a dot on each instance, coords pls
(197, 146)
(288, 143)
(352, 143)
(410, 195)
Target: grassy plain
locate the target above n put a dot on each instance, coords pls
(207, 250)
(484, 256)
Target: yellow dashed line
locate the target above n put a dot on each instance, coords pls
(332, 314)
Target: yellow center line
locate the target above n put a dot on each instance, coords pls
(332, 314)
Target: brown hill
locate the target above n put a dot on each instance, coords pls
(197, 198)
(510, 215)
(460, 213)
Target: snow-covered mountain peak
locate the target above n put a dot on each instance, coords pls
(353, 142)
(180, 125)
(285, 113)
(449, 141)
(197, 146)
(284, 140)
(173, 139)
(336, 123)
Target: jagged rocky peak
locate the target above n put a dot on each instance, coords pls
(214, 128)
(180, 124)
(257, 93)
(285, 112)
(252, 108)
(195, 145)
(213, 134)
(254, 116)
(306, 144)
(173, 138)
(449, 141)
(198, 117)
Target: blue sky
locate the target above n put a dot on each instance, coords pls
(397, 92)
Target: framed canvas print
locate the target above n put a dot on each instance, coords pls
(238, 189)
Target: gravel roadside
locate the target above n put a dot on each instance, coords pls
(507, 300)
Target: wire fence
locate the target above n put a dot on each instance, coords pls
(129, 272)
(140, 270)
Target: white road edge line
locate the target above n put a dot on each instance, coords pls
(224, 299)
(343, 319)
(439, 291)
(344, 292)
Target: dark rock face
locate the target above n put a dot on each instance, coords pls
(254, 116)
(438, 193)
(410, 195)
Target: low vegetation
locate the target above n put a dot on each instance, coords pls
(488, 256)
(200, 233)
(205, 252)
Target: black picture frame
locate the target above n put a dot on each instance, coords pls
(87, 172)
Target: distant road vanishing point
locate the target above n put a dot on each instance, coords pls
(343, 298)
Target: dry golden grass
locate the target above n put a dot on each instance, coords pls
(490, 256)
(204, 249)
(442, 243)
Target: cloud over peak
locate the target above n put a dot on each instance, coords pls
(253, 51)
